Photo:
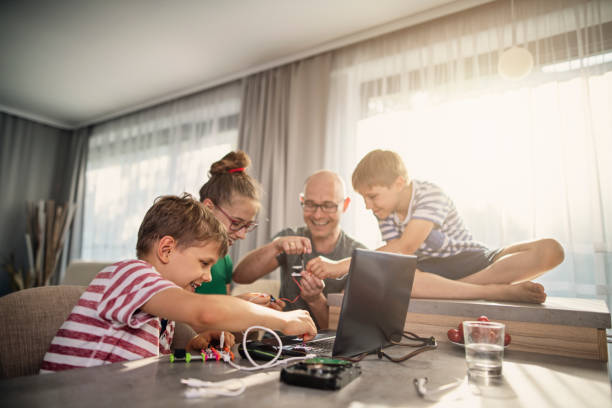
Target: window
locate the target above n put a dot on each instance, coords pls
(519, 164)
(521, 160)
(136, 159)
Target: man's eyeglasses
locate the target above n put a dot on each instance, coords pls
(236, 224)
(326, 206)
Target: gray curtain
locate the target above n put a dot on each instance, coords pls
(282, 128)
(37, 162)
(79, 146)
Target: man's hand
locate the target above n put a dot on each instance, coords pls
(324, 268)
(203, 340)
(299, 323)
(293, 245)
(312, 287)
(263, 299)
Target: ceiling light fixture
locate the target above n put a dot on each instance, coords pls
(516, 62)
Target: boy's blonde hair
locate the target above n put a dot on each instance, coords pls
(378, 168)
(189, 222)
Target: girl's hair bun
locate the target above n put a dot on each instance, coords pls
(228, 177)
(232, 160)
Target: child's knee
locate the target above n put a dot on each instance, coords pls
(551, 253)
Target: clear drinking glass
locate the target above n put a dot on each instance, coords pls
(484, 348)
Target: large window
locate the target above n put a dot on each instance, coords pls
(132, 161)
(520, 164)
(523, 159)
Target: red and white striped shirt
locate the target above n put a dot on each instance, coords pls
(107, 325)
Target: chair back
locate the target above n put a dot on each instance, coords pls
(30, 319)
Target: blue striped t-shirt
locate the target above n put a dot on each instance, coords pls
(449, 235)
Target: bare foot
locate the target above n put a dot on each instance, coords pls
(528, 292)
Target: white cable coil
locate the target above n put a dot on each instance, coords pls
(201, 388)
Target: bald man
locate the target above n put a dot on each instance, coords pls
(325, 248)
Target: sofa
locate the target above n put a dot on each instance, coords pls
(32, 317)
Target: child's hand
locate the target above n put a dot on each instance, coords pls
(324, 268)
(263, 299)
(299, 323)
(258, 298)
(203, 340)
(277, 304)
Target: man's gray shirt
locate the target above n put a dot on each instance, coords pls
(289, 290)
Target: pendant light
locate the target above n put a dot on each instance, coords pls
(516, 62)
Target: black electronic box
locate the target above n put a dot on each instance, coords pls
(323, 373)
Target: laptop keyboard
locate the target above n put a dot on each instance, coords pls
(321, 347)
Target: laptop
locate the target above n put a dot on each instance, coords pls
(373, 312)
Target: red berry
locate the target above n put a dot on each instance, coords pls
(453, 335)
(507, 339)
(483, 318)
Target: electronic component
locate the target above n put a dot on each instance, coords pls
(207, 354)
(263, 350)
(180, 355)
(323, 373)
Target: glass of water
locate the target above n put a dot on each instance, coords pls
(484, 348)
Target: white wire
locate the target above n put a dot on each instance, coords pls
(271, 363)
(201, 388)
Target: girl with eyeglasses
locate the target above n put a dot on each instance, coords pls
(233, 196)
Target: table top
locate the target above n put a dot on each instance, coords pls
(529, 380)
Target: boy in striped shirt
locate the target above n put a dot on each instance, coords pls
(118, 316)
(417, 217)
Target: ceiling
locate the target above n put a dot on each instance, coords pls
(71, 63)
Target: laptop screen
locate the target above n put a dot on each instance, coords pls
(374, 308)
(375, 301)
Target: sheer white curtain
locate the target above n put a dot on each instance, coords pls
(132, 160)
(521, 159)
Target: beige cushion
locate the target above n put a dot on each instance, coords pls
(82, 272)
(30, 319)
